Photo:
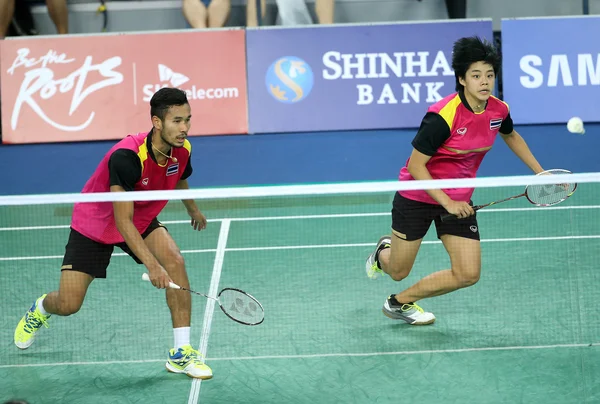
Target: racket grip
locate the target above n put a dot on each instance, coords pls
(146, 277)
(446, 217)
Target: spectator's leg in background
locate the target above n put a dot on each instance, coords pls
(456, 8)
(293, 13)
(59, 13)
(7, 9)
(218, 13)
(194, 12)
(324, 10)
(22, 22)
(251, 12)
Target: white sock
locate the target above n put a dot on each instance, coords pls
(40, 307)
(182, 336)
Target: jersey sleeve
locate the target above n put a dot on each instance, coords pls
(507, 125)
(432, 134)
(124, 169)
(188, 169)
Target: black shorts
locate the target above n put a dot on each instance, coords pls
(411, 220)
(88, 256)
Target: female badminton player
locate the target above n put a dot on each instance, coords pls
(454, 136)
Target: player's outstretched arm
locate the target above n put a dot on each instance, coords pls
(123, 212)
(519, 147)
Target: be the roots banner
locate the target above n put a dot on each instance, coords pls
(80, 88)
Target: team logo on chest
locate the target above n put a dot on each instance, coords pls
(173, 169)
(495, 123)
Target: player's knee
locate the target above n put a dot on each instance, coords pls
(398, 272)
(467, 278)
(69, 306)
(176, 263)
(398, 276)
(179, 261)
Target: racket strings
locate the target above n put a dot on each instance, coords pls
(240, 306)
(550, 194)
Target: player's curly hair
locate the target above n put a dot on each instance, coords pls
(165, 98)
(469, 50)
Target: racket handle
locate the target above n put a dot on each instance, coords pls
(146, 277)
(446, 217)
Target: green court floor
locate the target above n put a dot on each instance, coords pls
(527, 332)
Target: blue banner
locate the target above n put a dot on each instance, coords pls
(551, 69)
(351, 77)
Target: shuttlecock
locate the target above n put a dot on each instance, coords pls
(575, 125)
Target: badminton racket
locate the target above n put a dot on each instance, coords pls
(538, 195)
(235, 303)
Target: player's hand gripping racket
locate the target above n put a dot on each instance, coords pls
(539, 195)
(236, 304)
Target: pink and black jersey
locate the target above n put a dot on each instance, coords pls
(457, 139)
(131, 164)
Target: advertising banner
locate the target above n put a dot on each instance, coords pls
(551, 69)
(83, 88)
(351, 77)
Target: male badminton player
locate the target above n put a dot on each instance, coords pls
(454, 136)
(157, 160)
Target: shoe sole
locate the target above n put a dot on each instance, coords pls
(26, 344)
(370, 273)
(400, 318)
(179, 371)
(23, 346)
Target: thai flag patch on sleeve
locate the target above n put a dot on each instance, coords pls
(495, 123)
(173, 169)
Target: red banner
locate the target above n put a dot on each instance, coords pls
(81, 88)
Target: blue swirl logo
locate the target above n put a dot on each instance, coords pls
(289, 79)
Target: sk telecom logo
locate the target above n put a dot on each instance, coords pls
(167, 77)
(165, 74)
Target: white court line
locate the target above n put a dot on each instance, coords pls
(121, 254)
(66, 226)
(39, 257)
(492, 240)
(311, 246)
(324, 216)
(58, 226)
(423, 352)
(318, 356)
(96, 363)
(210, 304)
(301, 247)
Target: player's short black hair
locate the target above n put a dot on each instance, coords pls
(165, 98)
(471, 50)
